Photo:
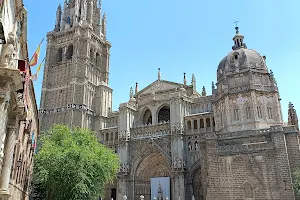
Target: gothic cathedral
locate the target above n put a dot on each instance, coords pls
(231, 144)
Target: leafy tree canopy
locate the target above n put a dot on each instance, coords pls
(297, 181)
(71, 164)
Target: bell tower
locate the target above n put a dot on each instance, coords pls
(75, 87)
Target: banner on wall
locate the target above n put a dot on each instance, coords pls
(160, 188)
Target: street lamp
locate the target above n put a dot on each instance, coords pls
(154, 198)
(142, 197)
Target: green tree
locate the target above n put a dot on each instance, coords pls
(72, 165)
(297, 181)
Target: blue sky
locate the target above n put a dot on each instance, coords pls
(189, 36)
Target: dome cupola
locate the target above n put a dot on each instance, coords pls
(240, 59)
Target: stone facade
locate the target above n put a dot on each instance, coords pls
(231, 144)
(18, 110)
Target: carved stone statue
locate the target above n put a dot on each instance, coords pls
(8, 52)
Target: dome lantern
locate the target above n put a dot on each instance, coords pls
(238, 39)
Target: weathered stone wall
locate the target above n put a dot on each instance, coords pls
(256, 173)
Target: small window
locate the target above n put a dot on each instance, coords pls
(201, 123)
(69, 53)
(208, 122)
(195, 124)
(59, 55)
(189, 125)
(236, 114)
(259, 115)
(97, 59)
(235, 56)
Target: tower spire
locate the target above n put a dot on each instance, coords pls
(136, 88)
(194, 82)
(158, 74)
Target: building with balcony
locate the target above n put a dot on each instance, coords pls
(18, 110)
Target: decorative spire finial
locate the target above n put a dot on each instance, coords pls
(236, 27)
(212, 86)
(203, 91)
(194, 82)
(136, 88)
(292, 116)
(184, 79)
(158, 75)
(131, 93)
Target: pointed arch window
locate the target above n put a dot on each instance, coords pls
(208, 122)
(201, 123)
(270, 115)
(147, 118)
(164, 114)
(195, 124)
(189, 125)
(248, 112)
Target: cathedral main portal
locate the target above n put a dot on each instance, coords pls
(154, 165)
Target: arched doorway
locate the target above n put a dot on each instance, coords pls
(196, 185)
(154, 165)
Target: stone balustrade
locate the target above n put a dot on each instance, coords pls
(150, 131)
(108, 136)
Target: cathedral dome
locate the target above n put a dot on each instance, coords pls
(241, 58)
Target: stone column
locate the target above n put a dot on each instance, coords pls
(178, 157)
(125, 120)
(7, 161)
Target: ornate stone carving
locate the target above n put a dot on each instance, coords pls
(178, 164)
(177, 127)
(124, 168)
(8, 52)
